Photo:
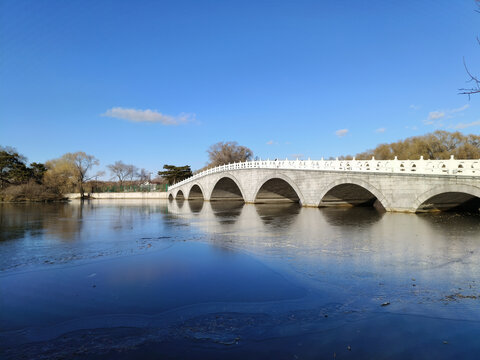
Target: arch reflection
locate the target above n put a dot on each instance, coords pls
(180, 202)
(227, 212)
(279, 215)
(195, 205)
(361, 217)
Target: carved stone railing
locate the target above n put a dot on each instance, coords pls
(450, 167)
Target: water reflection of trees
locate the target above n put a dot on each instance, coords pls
(18, 220)
(59, 220)
(66, 221)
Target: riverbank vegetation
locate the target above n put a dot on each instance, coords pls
(43, 182)
(438, 145)
(72, 172)
(22, 182)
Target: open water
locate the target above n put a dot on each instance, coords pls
(122, 279)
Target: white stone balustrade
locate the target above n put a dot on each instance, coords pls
(451, 167)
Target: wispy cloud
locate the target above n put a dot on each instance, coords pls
(414, 107)
(460, 109)
(271, 142)
(381, 130)
(467, 125)
(435, 116)
(341, 132)
(151, 116)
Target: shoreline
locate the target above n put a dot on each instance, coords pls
(119, 195)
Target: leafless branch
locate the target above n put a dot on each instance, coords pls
(475, 89)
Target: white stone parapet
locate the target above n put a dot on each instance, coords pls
(450, 167)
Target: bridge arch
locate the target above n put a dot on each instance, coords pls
(278, 188)
(358, 184)
(440, 193)
(227, 187)
(179, 195)
(196, 192)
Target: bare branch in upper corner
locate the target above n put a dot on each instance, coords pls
(473, 79)
(475, 89)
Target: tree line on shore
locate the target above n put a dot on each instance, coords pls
(73, 172)
(439, 145)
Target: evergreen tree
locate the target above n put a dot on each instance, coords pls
(174, 174)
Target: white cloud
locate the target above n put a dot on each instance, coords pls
(152, 116)
(414, 107)
(341, 132)
(270, 142)
(380, 130)
(435, 115)
(464, 126)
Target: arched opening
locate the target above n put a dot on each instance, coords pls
(195, 193)
(170, 197)
(276, 191)
(226, 189)
(349, 195)
(451, 201)
(180, 195)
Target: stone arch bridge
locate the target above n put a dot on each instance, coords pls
(395, 185)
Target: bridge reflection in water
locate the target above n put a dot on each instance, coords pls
(356, 239)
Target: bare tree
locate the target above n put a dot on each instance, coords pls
(143, 175)
(82, 163)
(122, 171)
(228, 152)
(133, 173)
(474, 80)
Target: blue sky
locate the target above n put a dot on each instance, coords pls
(155, 82)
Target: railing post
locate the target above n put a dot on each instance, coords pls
(451, 164)
(395, 164)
